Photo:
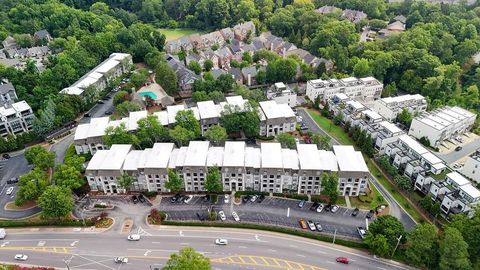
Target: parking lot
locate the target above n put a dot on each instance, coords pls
(273, 211)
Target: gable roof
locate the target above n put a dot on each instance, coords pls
(42, 34)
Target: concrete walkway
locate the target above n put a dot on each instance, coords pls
(347, 202)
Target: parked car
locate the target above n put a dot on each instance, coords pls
(121, 259)
(21, 257)
(334, 208)
(222, 216)
(206, 198)
(200, 217)
(226, 199)
(235, 216)
(134, 199)
(133, 237)
(188, 198)
(370, 214)
(141, 198)
(253, 198)
(301, 204)
(246, 198)
(362, 232)
(86, 115)
(302, 223)
(320, 208)
(10, 190)
(355, 212)
(109, 112)
(319, 227)
(342, 260)
(261, 198)
(175, 198)
(100, 102)
(458, 148)
(311, 225)
(328, 207)
(221, 242)
(12, 180)
(314, 206)
(181, 198)
(6, 156)
(303, 127)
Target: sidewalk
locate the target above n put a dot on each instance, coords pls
(347, 201)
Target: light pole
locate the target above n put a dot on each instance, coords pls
(396, 246)
(67, 262)
(334, 235)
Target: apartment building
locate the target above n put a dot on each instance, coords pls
(366, 89)
(15, 118)
(454, 193)
(267, 168)
(209, 114)
(471, 168)
(390, 107)
(447, 123)
(282, 94)
(276, 118)
(7, 93)
(102, 75)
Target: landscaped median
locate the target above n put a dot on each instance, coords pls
(44, 223)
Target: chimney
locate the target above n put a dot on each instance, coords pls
(249, 79)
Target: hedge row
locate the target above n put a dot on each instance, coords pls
(243, 193)
(262, 227)
(59, 223)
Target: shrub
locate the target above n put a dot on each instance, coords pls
(297, 196)
(319, 199)
(248, 192)
(266, 138)
(98, 205)
(156, 217)
(149, 194)
(38, 223)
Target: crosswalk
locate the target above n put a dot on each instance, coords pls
(143, 232)
(262, 262)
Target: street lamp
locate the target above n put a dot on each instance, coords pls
(396, 246)
(67, 262)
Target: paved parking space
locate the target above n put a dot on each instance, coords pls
(274, 211)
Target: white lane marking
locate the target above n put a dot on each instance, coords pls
(4, 244)
(329, 262)
(272, 250)
(41, 244)
(381, 268)
(321, 252)
(146, 252)
(293, 246)
(184, 244)
(73, 243)
(242, 247)
(302, 256)
(92, 262)
(256, 237)
(180, 233)
(30, 240)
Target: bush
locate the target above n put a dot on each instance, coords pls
(156, 217)
(265, 138)
(365, 198)
(98, 205)
(212, 215)
(149, 194)
(243, 193)
(297, 196)
(59, 223)
(319, 199)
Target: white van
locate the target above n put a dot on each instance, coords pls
(133, 237)
(3, 234)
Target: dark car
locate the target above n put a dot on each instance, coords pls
(109, 112)
(355, 212)
(314, 206)
(6, 156)
(328, 207)
(200, 217)
(181, 198)
(301, 204)
(100, 102)
(175, 198)
(107, 97)
(134, 199)
(302, 127)
(141, 198)
(86, 115)
(206, 198)
(12, 181)
(370, 214)
(247, 198)
(261, 198)
(458, 148)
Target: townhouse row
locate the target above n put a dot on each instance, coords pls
(16, 116)
(274, 119)
(366, 89)
(267, 168)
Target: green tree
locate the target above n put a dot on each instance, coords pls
(208, 65)
(379, 245)
(125, 181)
(119, 135)
(167, 78)
(235, 120)
(187, 120)
(39, 157)
(322, 141)
(337, 120)
(403, 182)
(56, 202)
(330, 186)
(325, 111)
(139, 77)
(389, 227)
(362, 68)
(405, 117)
(187, 258)
(198, 96)
(216, 134)
(181, 136)
(213, 183)
(174, 182)
(216, 96)
(126, 107)
(422, 246)
(287, 140)
(120, 97)
(45, 123)
(31, 186)
(151, 131)
(195, 67)
(453, 251)
(76, 162)
(261, 76)
(68, 176)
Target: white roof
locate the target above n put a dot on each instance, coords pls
(207, 109)
(95, 75)
(431, 158)
(402, 98)
(97, 126)
(234, 154)
(162, 117)
(290, 159)
(280, 85)
(462, 111)
(349, 160)
(253, 157)
(390, 127)
(111, 159)
(273, 110)
(355, 104)
(372, 114)
(81, 132)
(471, 191)
(342, 96)
(286, 110)
(86, 82)
(172, 162)
(197, 153)
(458, 178)
(133, 118)
(328, 161)
(107, 65)
(133, 160)
(236, 101)
(309, 157)
(215, 156)
(21, 106)
(172, 112)
(96, 162)
(72, 91)
(413, 144)
(271, 155)
(159, 155)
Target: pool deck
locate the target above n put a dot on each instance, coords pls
(154, 88)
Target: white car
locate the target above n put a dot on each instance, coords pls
(311, 225)
(334, 208)
(21, 257)
(235, 216)
(226, 199)
(222, 216)
(362, 232)
(222, 242)
(121, 260)
(10, 190)
(133, 237)
(253, 198)
(320, 208)
(188, 198)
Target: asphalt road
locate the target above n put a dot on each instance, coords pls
(467, 149)
(246, 250)
(395, 209)
(99, 109)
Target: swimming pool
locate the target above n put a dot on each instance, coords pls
(149, 94)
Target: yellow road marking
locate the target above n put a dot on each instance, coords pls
(40, 249)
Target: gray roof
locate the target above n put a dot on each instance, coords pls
(327, 9)
(42, 34)
(217, 72)
(249, 70)
(400, 18)
(236, 72)
(223, 52)
(10, 62)
(6, 87)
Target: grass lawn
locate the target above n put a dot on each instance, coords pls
(171, 34)
(341, 201)
(328, 126)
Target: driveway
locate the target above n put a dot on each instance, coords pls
(467, 149)
(272, 211)
(395, 209)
